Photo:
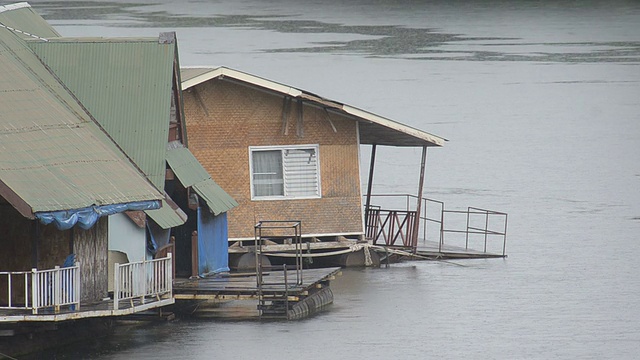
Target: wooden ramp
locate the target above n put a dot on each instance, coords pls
(432, 249)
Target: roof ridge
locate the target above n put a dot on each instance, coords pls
(15, 6)
(22, 32)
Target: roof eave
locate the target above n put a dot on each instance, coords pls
(414, 137)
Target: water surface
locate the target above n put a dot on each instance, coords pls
(540, 102)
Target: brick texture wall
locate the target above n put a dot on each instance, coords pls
(225, 118)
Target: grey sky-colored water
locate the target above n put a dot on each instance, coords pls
(541, 104)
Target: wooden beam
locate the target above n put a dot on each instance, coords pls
(300, 124)
(369, 186)
(286, 109)
(194, 254)
(416, 225)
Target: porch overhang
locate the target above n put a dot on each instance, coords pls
(191, 174)
(169, 215)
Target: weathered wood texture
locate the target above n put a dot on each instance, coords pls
(224, 119)
(91, 249)
(53, 246)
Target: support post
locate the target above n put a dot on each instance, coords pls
(194, 254)
(416, 225)
(369, 187)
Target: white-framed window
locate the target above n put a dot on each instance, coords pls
(284, 172)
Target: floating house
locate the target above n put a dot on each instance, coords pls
(131, 86)
(61, 176)
(287, 154)
(94, 135)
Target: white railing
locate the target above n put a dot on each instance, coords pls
(141, 280)
(49, 288)
(17, 285)
(55, 288)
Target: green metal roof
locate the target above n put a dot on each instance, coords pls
(21, 16)
(136, 75)
(169, 215)
(217, 199)
(53, 155)
(191, 173)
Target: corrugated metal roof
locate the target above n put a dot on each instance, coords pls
(217, 199)
(28, 23)
(186, 166)
(53, 156)
(191, 173)
(374, 129)
(169, 215)
(135, 75)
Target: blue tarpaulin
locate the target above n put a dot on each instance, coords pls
(87, 217)
(213, 243)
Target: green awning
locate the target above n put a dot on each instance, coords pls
(169, 215)
(217, 199)
(191, 174)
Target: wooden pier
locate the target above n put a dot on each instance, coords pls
(279, 295)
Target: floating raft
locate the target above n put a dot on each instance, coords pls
(275, 300)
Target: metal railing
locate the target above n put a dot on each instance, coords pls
(145, 281)
(479, 223)
(290, 229)
(391, 224)
(51, 288)
(408, 202)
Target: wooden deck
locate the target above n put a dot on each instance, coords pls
(244, 286)
(101, 309)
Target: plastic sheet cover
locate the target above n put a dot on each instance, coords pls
(213, 243)
(87, 217)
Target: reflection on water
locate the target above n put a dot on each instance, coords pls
(541, 103)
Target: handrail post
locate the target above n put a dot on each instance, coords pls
(26, 290)
(504, 236)
(57, 294)
(35, 293)
(9, 289)
(441, 229)
(486, 228)
(466, 242)
(116, 286)
(142, 279)
(77, 286)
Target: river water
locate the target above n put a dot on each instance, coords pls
(541, 104)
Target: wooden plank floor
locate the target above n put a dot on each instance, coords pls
(245, 284)
(100, 309)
